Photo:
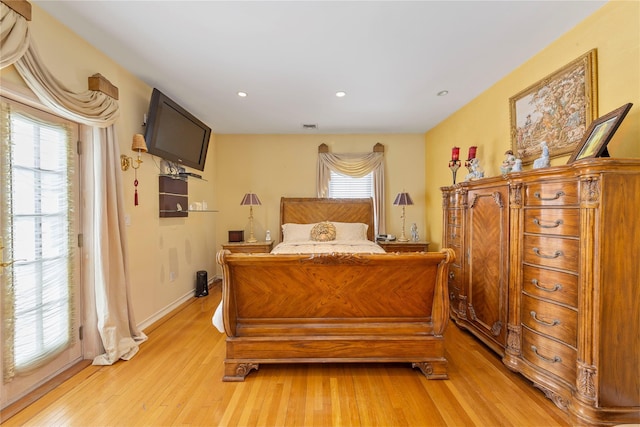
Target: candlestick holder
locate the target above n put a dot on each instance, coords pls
(454, 165)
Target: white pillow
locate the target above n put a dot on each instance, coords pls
(296, 232)
(351, 230)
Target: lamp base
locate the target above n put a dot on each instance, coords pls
(402, 239)
(251, 240)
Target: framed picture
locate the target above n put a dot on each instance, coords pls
(557, 110)
(594, 143)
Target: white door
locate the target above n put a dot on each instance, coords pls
(40, 272)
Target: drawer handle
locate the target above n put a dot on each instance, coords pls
(451, 275)
(556, 287)
(534, 316)
(556, 359)
(556, 223)
(556, 254)
(556, 197)
(453, 236)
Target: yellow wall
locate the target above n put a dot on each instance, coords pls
(273, 166)
(285, 165)
(614, 31)
(156, 246)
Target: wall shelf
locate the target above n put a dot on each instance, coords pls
(174, 191)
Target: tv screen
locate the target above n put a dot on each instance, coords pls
(175, 134)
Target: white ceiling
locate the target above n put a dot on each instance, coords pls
(291, 57)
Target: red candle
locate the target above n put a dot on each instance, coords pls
(472, 152)
(455, 153)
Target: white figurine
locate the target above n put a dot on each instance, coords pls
(414, 232)
(476, 170)
(507, 164)
(517, 166)
(543, 160)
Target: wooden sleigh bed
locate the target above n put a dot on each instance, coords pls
(334, 307)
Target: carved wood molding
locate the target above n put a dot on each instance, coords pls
(496, 328)
(590, 192)
(585, 381)
(560, 401)
(445, 200)
(474, 200)
(515, 193)
(99, 83)
(335, 258)
(243, 369)
(497, 197)
(425, 367)
(472, 312)
(462, 307)
(514, 339)
(21, 7)
(463, 197)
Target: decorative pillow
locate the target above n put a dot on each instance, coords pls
(351, 230)
(323, 232)
(296, 232)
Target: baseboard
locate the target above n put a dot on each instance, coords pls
(160, 317)
(17, 406)
(178, 304)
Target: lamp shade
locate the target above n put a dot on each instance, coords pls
(403, 199)
(250, 199)
(139, 143)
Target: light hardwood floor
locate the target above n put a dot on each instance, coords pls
(175, 379)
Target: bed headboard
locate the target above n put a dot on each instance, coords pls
(307, 210)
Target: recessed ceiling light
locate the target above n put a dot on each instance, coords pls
(442, 92)
(341, 93)
(242, 94)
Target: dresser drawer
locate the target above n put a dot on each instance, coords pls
(552, 252)
(558, 193)
(453, 235)
(455, 276)
(552, 285)
(453, 217)
(561, 222)
(552, 356)
(550, 319)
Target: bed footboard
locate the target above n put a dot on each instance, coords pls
(335, 308)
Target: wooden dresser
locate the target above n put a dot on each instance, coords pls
(571, 256)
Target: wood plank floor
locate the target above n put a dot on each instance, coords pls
(175, 379)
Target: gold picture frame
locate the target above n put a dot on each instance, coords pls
(556, 110)
(595, 140)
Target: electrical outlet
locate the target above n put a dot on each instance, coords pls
(172, 276)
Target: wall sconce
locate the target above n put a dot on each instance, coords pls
(140, 146)
(252, 200)
(403, 199)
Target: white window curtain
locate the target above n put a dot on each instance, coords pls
(105, 211)
(355, 165)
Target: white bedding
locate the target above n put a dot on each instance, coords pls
(337, 246)
(312, 247)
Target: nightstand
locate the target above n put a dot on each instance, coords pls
(244, 247)
(396, 246)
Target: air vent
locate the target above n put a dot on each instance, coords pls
(309, 126)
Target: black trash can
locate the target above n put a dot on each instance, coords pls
(202, 285)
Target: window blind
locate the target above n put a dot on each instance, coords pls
(344, 186)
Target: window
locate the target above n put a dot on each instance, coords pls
(40, 288)
(344, 186)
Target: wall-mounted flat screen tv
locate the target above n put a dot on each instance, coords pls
(174, 134)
